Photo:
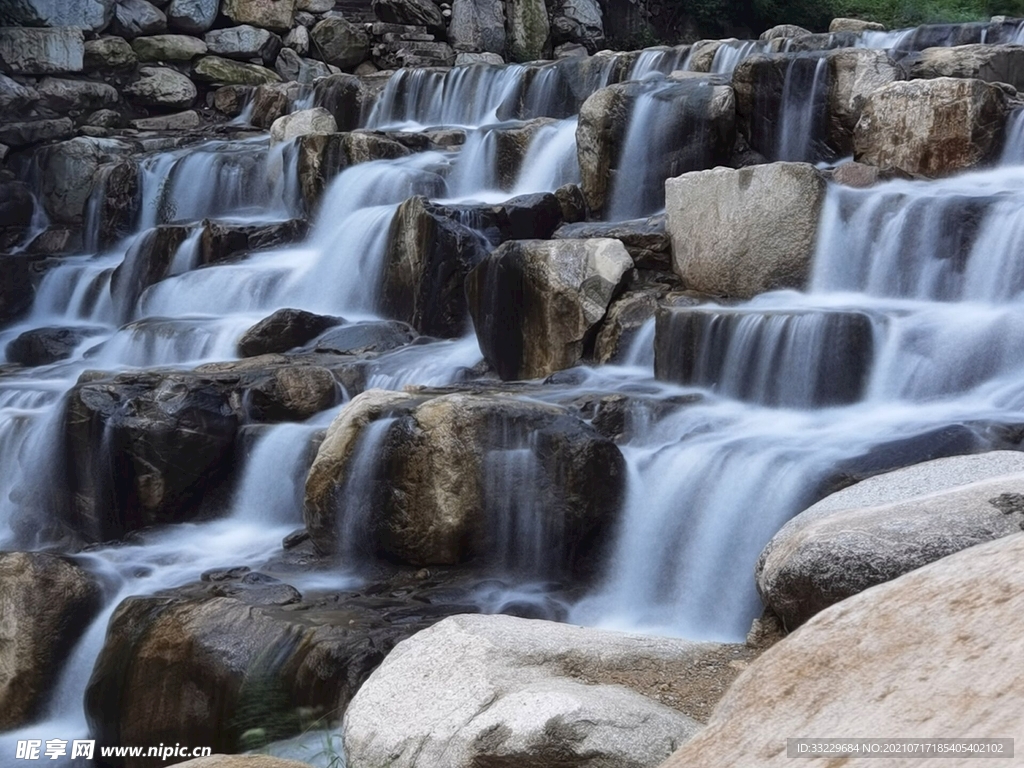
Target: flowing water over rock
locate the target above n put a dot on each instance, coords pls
(908, 344)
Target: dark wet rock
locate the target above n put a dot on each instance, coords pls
(646, 240)
(109, 53)
(147, 262)
(226, 241)
(417, 13)
(284, 330)
(42, 346)
(340, 43)
(322, 157)
(35, 51)
(358, 338)
(23, 134)
(133, 18)
(17, 288)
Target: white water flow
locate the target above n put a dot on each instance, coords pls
(803, 110)
(761, 423)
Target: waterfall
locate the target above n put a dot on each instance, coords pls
(803, 110)
(359, 499)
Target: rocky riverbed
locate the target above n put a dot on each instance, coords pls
(424, 384)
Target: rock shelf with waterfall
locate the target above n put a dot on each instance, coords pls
(422, 384)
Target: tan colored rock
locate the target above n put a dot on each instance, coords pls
(935, 652)
(854, 25)
(931, 128)
(888, 525)
(324, 156)
(535, 302)
(435, 503)
(855, 73)
(702, 54)
(783, 31)
(992, 63)
(46, 603)
(742, 232)
(303, 123)
(498, 690)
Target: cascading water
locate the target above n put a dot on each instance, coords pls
(927, 272)
(803, 110)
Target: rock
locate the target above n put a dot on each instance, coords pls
(68, 169)
(856, 175)
(62, 95)
(91, 15)
(701, 134)
(783, 30)
(499, 690)
(527, 28)
(192, 17)
(298, 40)
(17, 204)
(232, 99)
(146, 263)
(33, 51)
(888, 525)
(570, 50)
(37, 635)
(292, 394)
(646, 240)
(133, 18)
(468, 59)
(240, 761)
(109, 53)
(742, 232)
(346, 97)
(168, 48)
(16, 98)
(229, 241)
(306, 122)
(710, 347)
(573, 203)
(358, 338)
(162, 87)
(477, 26)
(269, 102)
(290, 66)
(266, 665)
(42, 346)
(992, 63)
(244, 42)
(854, 25)
(144, 449)
(702, 54)
(322, 157)
(579, 21)
(17, 289)
(220, 71)
(413, 55)
(340, 43)
(284, 330)
(415, 13)
(314, 6)
(439, 492)
(181, 121)
(36, 131)
(926, 653)
(535, 303)
(626, 316)
(855, 73)
(931, 127)
(276, 15)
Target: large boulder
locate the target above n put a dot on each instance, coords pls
(742, 232)
(783, 31)
(244, 42)
(854, 25)
(478, 25)
(47, 603)
(219, 71)
(340, 43)
(162, 87)
(322, 157)
(306, 122)
(75, 96)
(346, 97)
(931, 128)
(528, 28)
(92, 15)
(497, 690)
(168, 48)
(284, 330)
(932, 652)
(223, 241)
(514, 485)
(646, 240)
(414, 13)
(23, 134)
(726, 348)
(133, 18)
(695, 129)
(275, 15)
(888, 525)
(40, 51)
(239, 660)
(536, 304)
(413, 54)
(992, 63)
(42, 346)
(578, 21)
(192, 17)
(854, 74)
